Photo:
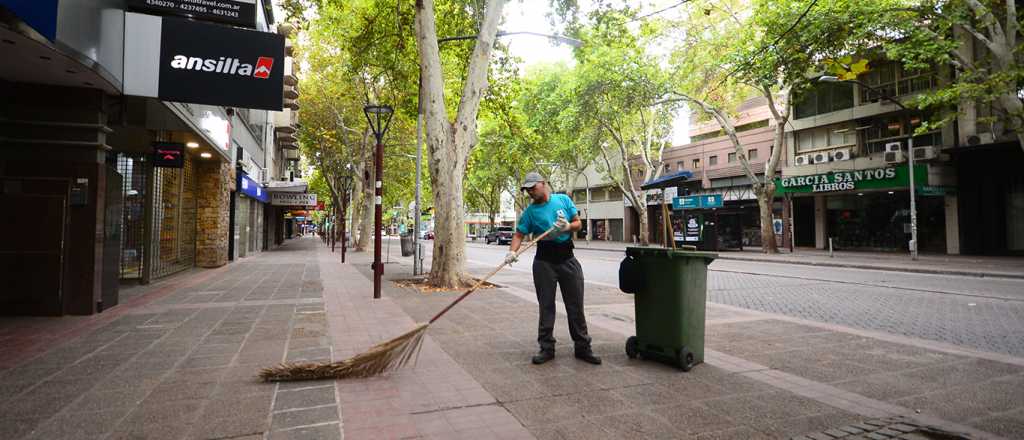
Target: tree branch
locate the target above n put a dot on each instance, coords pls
(730, 130)
(476, 75)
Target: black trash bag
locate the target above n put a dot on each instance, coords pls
(631, 276)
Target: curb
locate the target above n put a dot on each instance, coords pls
(924, 270)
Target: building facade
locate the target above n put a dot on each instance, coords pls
(134, 175)
(601, 206)
(847, 171)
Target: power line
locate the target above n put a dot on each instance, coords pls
(765, 48)
(659, 11)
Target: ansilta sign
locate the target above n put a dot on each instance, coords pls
(185, 61)
(875, 178)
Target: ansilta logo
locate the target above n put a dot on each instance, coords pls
(231, 66)
(263, 66)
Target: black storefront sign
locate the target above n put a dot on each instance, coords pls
(219, 65)
(234, 12)
(168, 155)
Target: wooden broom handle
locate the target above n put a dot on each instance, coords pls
(488, 276)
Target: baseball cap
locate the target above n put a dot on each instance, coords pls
(530, 180)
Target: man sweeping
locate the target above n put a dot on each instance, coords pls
(554, 266)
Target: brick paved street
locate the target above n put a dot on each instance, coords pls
(980, 313)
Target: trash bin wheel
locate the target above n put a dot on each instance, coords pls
(632, 347)
(684, 359)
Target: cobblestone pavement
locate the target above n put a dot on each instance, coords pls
(764, 377)
(980, 313)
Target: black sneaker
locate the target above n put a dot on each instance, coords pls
(543, 356)
(588, 356)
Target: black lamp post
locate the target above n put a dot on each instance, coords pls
(379, 117)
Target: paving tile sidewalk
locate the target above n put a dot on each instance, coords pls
(1006, 267)
(766, 376)
(180, 363)
(177, 360)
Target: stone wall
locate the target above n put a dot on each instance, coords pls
(212, 216)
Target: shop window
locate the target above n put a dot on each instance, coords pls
(696, 164)
(752, 154)
(739, 129)
(732, 157)
(893, 80)
(824, 98)
(829, 136)
(614, 193)
(882, 131)
(713, 160)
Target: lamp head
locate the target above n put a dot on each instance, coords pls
(828, 79)
(379, 117)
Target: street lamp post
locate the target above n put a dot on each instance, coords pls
(379, 117)
(910, 160)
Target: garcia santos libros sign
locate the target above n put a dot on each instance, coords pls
(875, 178)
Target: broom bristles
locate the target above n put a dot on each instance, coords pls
(386, 356)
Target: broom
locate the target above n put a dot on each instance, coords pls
(386, 356)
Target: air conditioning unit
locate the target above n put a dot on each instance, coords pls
(925, 153)
(842, 154)
(803, 159)
(894, 156)
(980, 139)
(821, 157)
(893, 147)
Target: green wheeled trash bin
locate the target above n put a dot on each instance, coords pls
(670, 292)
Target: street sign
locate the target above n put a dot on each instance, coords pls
(711, 201)
(686, 202)
(932, 190)
(695, 202)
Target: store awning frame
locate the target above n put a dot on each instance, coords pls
(668, 181)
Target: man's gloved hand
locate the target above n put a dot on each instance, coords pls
(511, 258)
(562, 224)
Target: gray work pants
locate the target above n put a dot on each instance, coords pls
(569, 276)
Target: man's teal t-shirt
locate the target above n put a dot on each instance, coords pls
(538, 218)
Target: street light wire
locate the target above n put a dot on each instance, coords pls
(765, 48)
(659, 11)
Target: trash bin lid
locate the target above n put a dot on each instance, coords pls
(658, 252)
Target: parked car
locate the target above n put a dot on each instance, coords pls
(500, 235)
(427, 235)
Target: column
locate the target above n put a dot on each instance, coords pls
(820, 223)
(952, 224)
(213, 181)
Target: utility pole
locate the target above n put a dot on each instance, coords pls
(417, 253)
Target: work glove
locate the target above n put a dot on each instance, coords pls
(511, 257)
(562, 224)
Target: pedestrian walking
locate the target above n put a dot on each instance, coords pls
(554, 266)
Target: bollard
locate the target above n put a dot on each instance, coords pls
(830, 247)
